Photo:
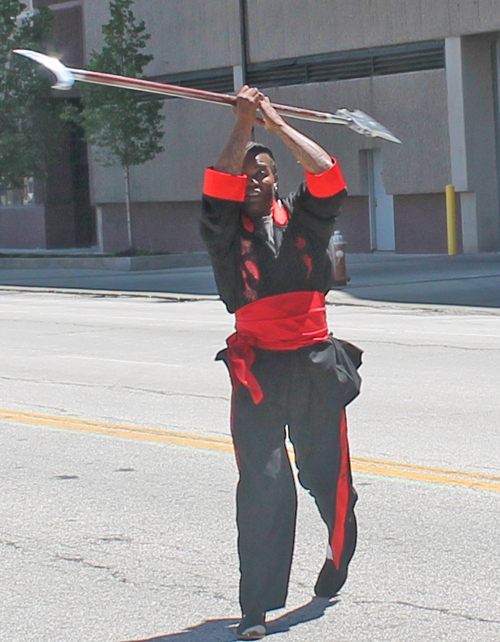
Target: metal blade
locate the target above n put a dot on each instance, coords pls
(366, 125)
(65, 79)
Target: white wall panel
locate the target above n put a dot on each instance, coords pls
(285, 28)
(186, 35)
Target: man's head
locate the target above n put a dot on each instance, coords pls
(262, 188)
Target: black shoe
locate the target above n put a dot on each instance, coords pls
(252, 627)
(330, 580)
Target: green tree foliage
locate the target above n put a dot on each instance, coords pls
(28, 116)
(125, 126)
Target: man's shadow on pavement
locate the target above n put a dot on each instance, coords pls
(225, 630)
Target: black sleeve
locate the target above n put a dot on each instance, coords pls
(220, 222)
(316, 215)
(219, 225)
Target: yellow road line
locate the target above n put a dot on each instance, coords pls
(359, 464)
(428, 469)
(119, 430)
(472, 481)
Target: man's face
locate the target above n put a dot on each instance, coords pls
(261, 186)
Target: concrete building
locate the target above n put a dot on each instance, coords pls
(427, 70)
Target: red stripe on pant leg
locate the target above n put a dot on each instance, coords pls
(342, 499)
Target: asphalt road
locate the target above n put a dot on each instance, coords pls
(117, 509)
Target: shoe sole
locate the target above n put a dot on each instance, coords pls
(253, 633)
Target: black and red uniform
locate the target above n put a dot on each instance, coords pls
(286, 371)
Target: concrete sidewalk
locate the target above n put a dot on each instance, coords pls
(463, 280)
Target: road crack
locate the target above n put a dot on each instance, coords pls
(114, 387)
(102, 567)
(10, 544)
(436, 609)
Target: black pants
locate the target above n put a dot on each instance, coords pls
(306, 390)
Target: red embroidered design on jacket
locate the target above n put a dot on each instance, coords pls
(308, 261)
(246, 247)
(300, 243)
(252, 269)
(250, 273)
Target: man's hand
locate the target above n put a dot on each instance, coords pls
(271, 120)
(247, 103)
(310, 155)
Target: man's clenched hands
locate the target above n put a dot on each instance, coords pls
(248, 101)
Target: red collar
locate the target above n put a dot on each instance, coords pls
(278, 212)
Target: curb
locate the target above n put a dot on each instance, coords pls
(111, 263)
(168, 296)
(342, 298)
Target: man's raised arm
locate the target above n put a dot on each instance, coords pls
(310, 155)
(231, 159)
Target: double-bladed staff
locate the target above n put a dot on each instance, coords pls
(66, 77)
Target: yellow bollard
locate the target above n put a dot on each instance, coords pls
(451, 219)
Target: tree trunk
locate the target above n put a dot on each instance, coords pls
(127, 206)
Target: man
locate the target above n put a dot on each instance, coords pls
(272, 268)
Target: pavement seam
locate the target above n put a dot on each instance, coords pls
(436, 609)
(333, 298)
(170, 296)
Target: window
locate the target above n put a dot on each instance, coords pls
(18, 197)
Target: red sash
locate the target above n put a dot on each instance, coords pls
(280, 322)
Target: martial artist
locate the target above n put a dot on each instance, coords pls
(273, 268)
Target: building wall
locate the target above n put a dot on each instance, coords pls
(403, 103)
(22, 228)
(165, 227)
(480, 137)
(281, 29)
(64, 212)
(196, 35)
(187, 35)
(420, 223)
(195, 133)
(354, 224)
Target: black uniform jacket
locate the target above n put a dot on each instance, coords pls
(288, 252)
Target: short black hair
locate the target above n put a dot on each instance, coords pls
(254, 149)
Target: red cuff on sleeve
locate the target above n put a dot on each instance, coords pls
(224, 186)
(326, 184)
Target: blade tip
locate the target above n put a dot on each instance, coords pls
(64, 77)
